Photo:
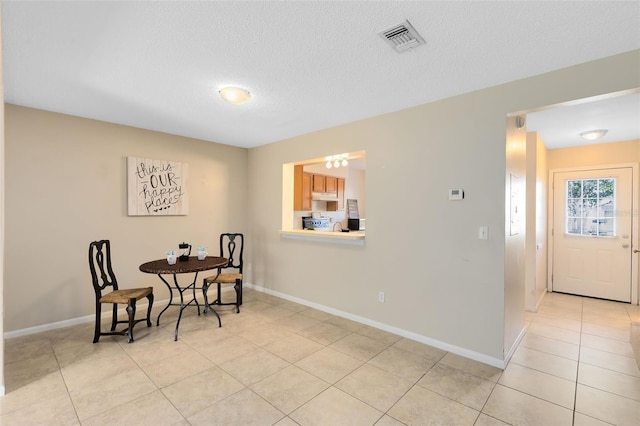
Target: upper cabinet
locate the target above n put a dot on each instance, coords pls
(306, 183)
(301, 189)
(319, 183)
(331, 184)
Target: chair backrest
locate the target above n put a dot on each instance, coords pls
(232, 247)
(100, 265)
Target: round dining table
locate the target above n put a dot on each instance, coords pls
(161, 267)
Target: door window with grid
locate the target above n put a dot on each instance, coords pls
(590, 207)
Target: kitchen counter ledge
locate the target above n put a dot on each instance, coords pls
(353, 237)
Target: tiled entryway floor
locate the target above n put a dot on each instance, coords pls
(279, 362)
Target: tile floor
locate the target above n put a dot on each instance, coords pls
(282, 363)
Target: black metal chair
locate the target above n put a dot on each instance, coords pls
(103, 279)
(231, 247)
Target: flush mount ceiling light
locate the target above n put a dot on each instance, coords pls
(337, 160)
(592, 135)
(235, 95)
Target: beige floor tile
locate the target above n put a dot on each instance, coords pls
(425, 351)
(347, 324)
(254, 366)
(202, 390)
(89, 351)
(47, 387)
(359, 347)
(19, 348)
(152, 352)
(51, 412)
(28, 370)
(316, 314)
(176, 368)
(286, 421)
(484, 420)
(334, 407)
(293, 306)
(458, 385)
(580, 419)
(547, 363)
(382, 336)
(555, 333)
(289, 388)
(329, 365)
(472, 367)
(559, 322)
(634, 312)
(274, 313)
(542, 385)
(293, 348)
(420, 406)
(375, 387)
(616, 333)
(517, 408)
(110, 393)
(241, 408)
(238, 323)
(388, 421)
(151, 409)
(606, 344)
(609, 381)
(551, 346)
(620, 321)
(227, 349)
(610, 361)
(407, 365)
(606, 406)
(90, 371)
(266, 333)
(297, 322)
(81, 334)
(572, 313)
(324, 333)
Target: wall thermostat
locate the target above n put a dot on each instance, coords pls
(456, 194)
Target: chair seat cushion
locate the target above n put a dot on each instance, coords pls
(123, 296)
(224, 278)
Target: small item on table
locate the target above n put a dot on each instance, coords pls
(171, 257)
(202, 253)
(185, 251)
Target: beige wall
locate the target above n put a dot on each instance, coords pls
(595, 155)
(536, 244)
(66, 186)
(443, 285)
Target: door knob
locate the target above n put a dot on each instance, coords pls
(636, 251)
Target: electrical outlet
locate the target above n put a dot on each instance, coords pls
(381, 297)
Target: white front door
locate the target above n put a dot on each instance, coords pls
(592, 233)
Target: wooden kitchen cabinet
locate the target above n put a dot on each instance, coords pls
(319, 183)
(301, 189)
(333, 206)
(331, 184)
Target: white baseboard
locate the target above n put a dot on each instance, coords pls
(476, 356)
(106, 315)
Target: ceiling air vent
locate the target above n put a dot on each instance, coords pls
(402, 37)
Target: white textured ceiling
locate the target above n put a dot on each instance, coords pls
(309, 64)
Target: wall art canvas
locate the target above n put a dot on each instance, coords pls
(157, 187)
